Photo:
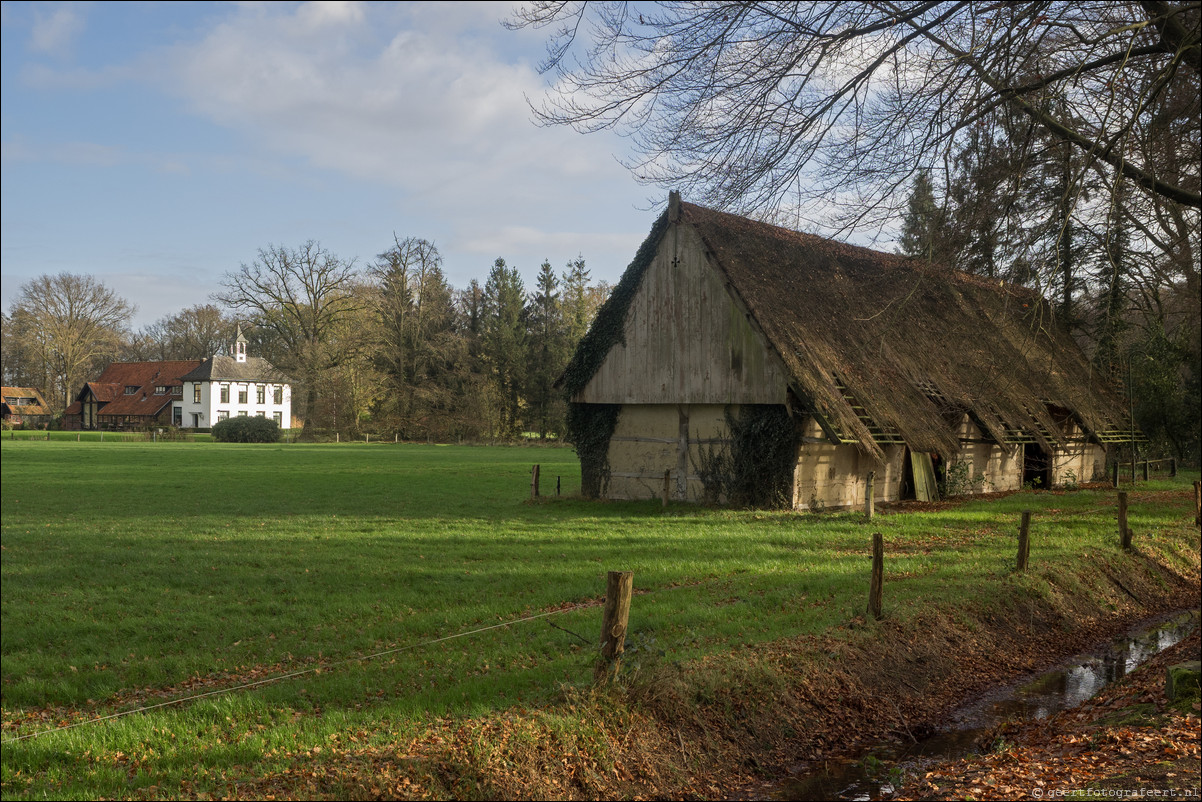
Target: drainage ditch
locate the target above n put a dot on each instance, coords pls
(875, 774)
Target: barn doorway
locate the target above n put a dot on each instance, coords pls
(919, 478)
(905, 491)
(1037, 467)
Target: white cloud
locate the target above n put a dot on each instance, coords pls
(558, 244)
(55, 32)
(320, 15)
(429, 107)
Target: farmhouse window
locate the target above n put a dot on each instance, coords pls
(242, 396)
(242, 414)
(177, 416)
(277, 395)
(223, 414)
(196, 394)
(160, 389)
(279, 418)
(177, 389)
(130, 389)
(225, 393)
(260, 393)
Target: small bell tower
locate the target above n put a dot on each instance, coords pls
(240, 345)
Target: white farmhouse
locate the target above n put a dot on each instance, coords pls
(226, 386)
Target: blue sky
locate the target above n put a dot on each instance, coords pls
(159, 146)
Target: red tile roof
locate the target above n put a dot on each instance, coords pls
(110, 387)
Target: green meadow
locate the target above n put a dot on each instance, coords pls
(292, 593)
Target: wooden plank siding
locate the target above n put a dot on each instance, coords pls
(687, 340)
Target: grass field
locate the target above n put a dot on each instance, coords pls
(136, 573)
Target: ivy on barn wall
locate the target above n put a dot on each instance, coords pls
(754, 466)
(590, 426)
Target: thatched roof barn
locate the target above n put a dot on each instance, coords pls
(727, 339)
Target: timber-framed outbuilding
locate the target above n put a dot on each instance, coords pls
(742, 362)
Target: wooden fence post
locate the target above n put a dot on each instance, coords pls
(1173, 467)
(1124, 532)
(1115, 480)
(534, 482)
(876, 590)
(614, 620)
(1133, 467)
(557, 480)
(1197, 503)
(667, 486)
(1145, 470)
(869, 491)
(1024, 540)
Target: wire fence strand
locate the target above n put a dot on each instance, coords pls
(294, 674)
(348, 661)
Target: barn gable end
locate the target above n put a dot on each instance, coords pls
(686, 339)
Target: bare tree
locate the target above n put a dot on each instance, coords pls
(301, 296)
(67, 326)
(193, 333)
(757, 106)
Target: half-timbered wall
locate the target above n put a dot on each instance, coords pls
(652, 438)
(991, 468)
(835, 476)
(1084, 459)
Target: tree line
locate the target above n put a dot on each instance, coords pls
(1119, 269)
(390, 348)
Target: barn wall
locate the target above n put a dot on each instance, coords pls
(990, 468)
(652, 438)
(1086, 460)
(686, 340)
(831, 477)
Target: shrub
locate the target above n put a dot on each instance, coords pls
(247, 429)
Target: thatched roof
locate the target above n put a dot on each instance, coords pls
(882, 348)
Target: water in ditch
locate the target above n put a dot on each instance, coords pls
(872, 776)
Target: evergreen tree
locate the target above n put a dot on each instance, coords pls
(1113, 280)
(416, 335)
(504, 343)
(923, 230)
(576, 304)
(548, 352)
